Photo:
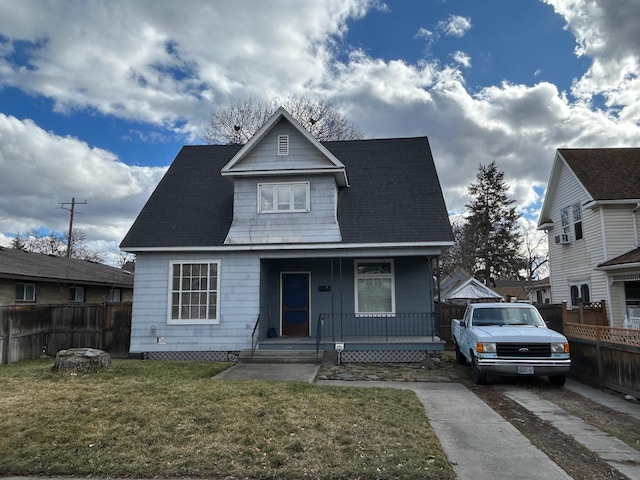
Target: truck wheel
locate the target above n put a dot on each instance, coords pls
(557, 380)
(477, 377)
(460, 357)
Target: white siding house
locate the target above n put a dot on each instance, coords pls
(590, 213)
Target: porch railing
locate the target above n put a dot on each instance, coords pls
(337, 326)
(255, 338)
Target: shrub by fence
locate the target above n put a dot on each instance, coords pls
(28, 331)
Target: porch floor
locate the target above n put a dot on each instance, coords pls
(423, 343)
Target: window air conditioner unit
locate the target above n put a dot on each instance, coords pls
(562, 238)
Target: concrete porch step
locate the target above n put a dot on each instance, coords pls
(280, 356)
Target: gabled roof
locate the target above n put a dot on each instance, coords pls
(25, 266)
(628, 260)
(608, 175)
(336, 167)
(471, 289)
(394, 197)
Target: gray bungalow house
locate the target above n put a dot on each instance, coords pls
(290, 243)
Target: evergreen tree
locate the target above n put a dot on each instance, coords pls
(491, 228)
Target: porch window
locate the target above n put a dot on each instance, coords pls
(25, 292)
(283, 197)
(374, 287)
(194, 292)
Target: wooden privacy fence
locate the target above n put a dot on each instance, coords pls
(608, 355)
(29, 331)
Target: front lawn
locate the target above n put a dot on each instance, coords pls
(170, 419)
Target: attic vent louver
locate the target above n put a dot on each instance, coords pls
(283, 144)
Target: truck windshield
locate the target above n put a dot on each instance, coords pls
(507, 316)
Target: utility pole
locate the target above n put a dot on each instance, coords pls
(71, 212)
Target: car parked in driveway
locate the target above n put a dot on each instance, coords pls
(509, 339)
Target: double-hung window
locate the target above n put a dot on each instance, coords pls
(571, 219)
(374, 287)
(194, 292)
(283, 197)
(25, 292)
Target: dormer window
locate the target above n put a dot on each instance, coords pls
(283, 144)
(283, 197)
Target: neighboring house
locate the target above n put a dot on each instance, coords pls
(590, 212)
(512, 291)
(471, 291)
(539, 291)
(327, 241)
(34, 278)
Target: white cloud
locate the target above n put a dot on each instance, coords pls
(42, 170)
(168, 63)
(607, 33)
(462, 59)
(455, 26)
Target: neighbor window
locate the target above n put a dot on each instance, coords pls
(115, 295)
(283, 197)
(374, 287)
(571, 219)
(25, 292)
(579, 291)
(76, 294)
(194, 292)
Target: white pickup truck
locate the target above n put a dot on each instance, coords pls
(509, 339)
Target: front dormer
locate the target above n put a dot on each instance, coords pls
(285, 187)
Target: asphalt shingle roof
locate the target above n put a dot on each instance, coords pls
(37, 266)
(606, 173)
(394, 197)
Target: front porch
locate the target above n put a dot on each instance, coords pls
(365, 338)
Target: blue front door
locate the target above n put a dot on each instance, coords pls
(295, 304)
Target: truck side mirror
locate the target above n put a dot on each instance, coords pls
(462, 324)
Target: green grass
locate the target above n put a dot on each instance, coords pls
(170, 419)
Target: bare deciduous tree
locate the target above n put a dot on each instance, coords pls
(237, 123)
(55, 243)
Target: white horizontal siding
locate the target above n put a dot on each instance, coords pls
(620, 235)
(239, 305)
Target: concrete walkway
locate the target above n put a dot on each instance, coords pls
(286, 372)
(612, 450)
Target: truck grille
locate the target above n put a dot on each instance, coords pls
(523, 349)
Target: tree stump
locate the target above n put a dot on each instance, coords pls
(82, 360)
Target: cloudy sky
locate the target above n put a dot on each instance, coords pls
(97, 97)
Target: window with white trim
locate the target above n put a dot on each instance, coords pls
(25, 292)
(76, 294)
(194, 292)
(283, 197)
(374, 287)
(571, 219)
(579, 291)
(283, 144)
